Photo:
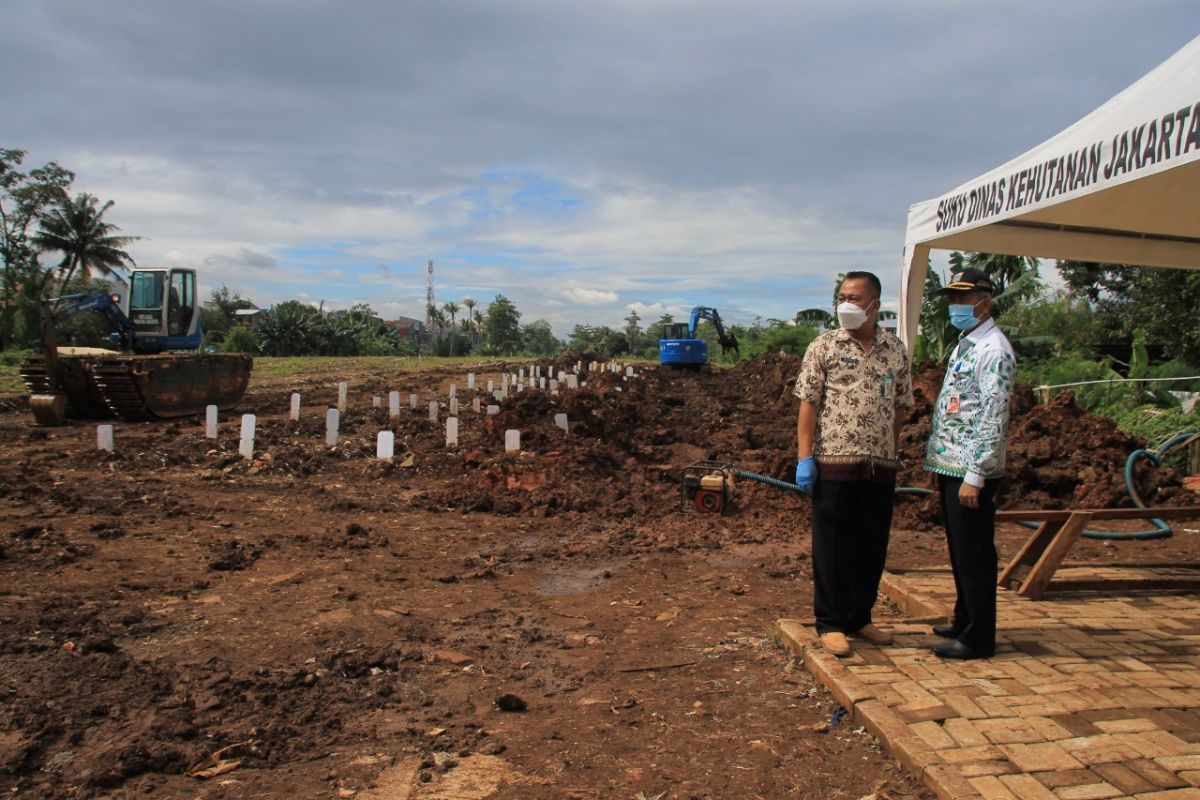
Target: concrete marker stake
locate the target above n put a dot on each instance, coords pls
(104, 438)
(294, 414)
(385, 444)
(332, 416)
(210, 422)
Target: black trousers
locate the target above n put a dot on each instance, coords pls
(851, 522)
(971, 538)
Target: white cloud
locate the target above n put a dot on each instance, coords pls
(739, 161)
(589, 297)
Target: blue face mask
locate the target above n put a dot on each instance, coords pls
(962, 316)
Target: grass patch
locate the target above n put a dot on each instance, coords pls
(10, 378)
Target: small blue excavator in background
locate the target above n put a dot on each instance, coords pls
(680, 346)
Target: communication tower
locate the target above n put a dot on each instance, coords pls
(429, 298)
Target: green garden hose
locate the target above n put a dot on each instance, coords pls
(778, 484)
(1161, 529)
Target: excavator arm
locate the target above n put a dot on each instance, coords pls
(710, 314)
(57, 309)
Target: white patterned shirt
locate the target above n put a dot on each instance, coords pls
(970, 419)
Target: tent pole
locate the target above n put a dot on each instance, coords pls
(913, 269)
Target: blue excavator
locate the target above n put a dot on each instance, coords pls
(680, 347)
(147, 371)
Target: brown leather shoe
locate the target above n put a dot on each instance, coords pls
(874, 635)
(835, 643)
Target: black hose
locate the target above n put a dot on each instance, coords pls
(1161, 529)
(754, 476)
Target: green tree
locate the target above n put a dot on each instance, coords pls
(291, 329)
(635, 340)
(539, 339)
(584, 337)
(77, 229)
(819, 317)
(240, 339)
(789, 337)
(1015, 278)
(216, 315)
(24, 196)
(452, 308)
(1161, 301)
(937, 336)
(1056, 325)
(502, 327)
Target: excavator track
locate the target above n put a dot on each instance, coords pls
(115, 381)
(136, 387)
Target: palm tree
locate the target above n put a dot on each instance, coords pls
(452, 308)
(815, 316)
(76, 228)
(469, 303)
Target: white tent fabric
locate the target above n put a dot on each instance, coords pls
(1120, 186)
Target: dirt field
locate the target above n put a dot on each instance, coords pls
(177, 622)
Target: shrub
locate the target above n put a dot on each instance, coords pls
(240, 339)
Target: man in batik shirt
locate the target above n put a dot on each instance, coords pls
(854, 386)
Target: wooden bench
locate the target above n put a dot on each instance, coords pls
(1034, 565)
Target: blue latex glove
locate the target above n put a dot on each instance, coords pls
(806, 474)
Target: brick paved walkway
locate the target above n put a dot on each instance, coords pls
(1090, 696)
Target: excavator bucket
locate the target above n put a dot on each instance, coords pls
(138, 387)
(48, 409)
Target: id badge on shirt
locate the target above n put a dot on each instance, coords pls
(887, 385)
(952, 406)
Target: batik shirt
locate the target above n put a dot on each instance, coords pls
(856, 394)
(970, 420)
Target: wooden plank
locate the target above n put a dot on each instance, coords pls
(1031, 514)
(1043, 571)
(1030, 552)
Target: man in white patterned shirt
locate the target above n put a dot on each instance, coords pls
(966, 451)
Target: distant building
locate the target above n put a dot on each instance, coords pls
(246, 316)
(407, 328)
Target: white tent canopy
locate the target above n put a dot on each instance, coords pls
(1121, 186)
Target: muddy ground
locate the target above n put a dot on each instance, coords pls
(178, 622)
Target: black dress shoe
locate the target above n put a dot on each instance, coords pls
(945, 631)
(960, 651)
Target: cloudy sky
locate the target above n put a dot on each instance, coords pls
(581, 158)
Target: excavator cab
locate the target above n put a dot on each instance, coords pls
(142, 377)
(162, 310)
